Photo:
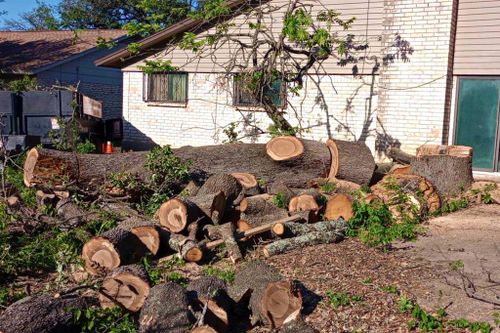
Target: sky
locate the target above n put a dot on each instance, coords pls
(15, 7)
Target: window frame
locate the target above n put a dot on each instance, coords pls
(257, 104)
(145, 88)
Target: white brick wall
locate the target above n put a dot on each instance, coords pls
(341, 113)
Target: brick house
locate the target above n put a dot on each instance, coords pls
(66, 58)
(448, 93)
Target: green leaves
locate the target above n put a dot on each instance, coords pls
(94, 319)
(158, 66)
(296, 25)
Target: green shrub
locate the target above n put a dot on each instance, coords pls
(165, 167)
(85, 147)
(328, 188)
(279, 200)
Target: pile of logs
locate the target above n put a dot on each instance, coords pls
(273, 196)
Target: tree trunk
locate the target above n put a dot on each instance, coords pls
(225, 183)
(187, 249)
(212, 291)
(284, 148)
(429, 149)
(166, 310)
(248, 182)
(293, 229)
(450, 175)
(177, 213)
(272, 300)
(147, 232)
(339, 206)
(112, 249)
(127, 286)
(58, 168)
(352, 161)
(290, 244)
(43, 314)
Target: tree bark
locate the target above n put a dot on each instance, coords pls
(165, 310)
(290, 244)
(293, 229)
(450, 175)
(352, 161)
(43, 313)
(112, 249)
(399, 156)
(228, 233)
(271, 299)
(212, 291)
(127, 286)
(225, 183)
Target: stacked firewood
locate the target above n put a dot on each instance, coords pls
(271, 196)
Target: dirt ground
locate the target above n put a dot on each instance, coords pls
(460, 249)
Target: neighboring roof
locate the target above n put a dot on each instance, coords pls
(123, 57)
(24, 52)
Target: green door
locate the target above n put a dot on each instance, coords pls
(477, 120)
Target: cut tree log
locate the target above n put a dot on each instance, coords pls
(450, 175)
(284, 148)
(352, 161)
(147, 232)
(112, 249)
(421, 196)
(293, 229)
(450, 150)
(399, 156)
(225, 183)
(212, 292)
(252, 158)
(126, 286)
(43, 313)
(312, 238)
(228, 233)
(203, 329)
(187, 248)
(400, 169)
(339, 206)
(248, 182)
(72, 214)
(45, 199)
(58, 168)
(256, 204)
(177, 213)
(166, 310)
(307, 200)
(272, 300)
(259, 210)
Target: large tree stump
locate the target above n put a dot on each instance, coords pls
(147, 232)
(58, 168)
(450, 174)
(177, 213)
(312, 238)
(272, 300)
(43, 313)
(166, 310)
(212, 291)
(352, 161)
(127, 286)
(284, 148)
(113, 248)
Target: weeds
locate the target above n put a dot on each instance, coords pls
(279, 200)
(226, 275)
(391, 289)
(328, 188)
(338, 299)
(94, 319)
(456, 265)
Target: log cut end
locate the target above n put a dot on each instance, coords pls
(149, 236)
(352, 161)
(100, 254)
(127, 286)
(284, 148)
(281, 303)
(194, 254)
(302, 202)
(247, 180)
(339, 205)
(29, 166)
(173, 215)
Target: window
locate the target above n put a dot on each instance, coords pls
(166, 87)
(242, 97)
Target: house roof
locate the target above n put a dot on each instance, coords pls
(24, 52)
(123, 57)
